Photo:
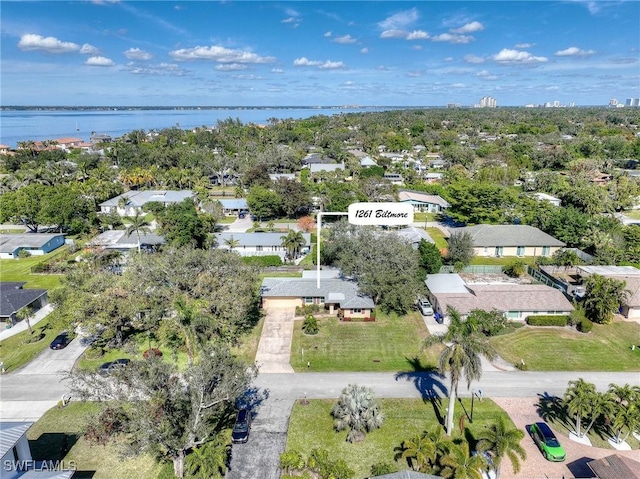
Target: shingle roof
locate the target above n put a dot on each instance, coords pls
(9, 243)
(407, 195)
(329, 288)
(234, 204)
(615, 467)
(258, 239)
(13, 298)
(414, 235)
(508, 235)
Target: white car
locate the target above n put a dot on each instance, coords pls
(425, 307)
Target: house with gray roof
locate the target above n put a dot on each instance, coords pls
(511, 240)
(335, 294)
(516, 301)
(258, 244)
(422, 201)
(17, 461)
(316, 168)
(234, 206)
(118, 240)
(135, 200)
(34, 243)
(13, 298)
(630, 307)
(415, 235)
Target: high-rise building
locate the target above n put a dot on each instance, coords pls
(488, 102)
(632, 102)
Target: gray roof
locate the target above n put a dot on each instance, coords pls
(445, 283)
(258, 239)
(610, 270)
(39, 474)
(414, 235)
(234, 204)
(11, 242)
(615, 467)
(421, 197)
(118, 239)
(10, 434)
(316, 168)
(13, 298)
(140, 198)
(508, 235)
(330, 289)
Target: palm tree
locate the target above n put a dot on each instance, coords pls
(292, 242)
(625, 412)
(461, 356)
(357, 410)
(578, 400)
(24, 315)
(419, 451)
(459, 464)
(138, 224)
(209, 461)
(231, 242)
(501, 440)
(602, 404)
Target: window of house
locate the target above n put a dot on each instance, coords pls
(520, 251)
(308, 300)
(258, 248)
(499, 250)
(357, 310)
(546, 250)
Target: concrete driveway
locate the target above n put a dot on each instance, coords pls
(240, 225)
(274, 349)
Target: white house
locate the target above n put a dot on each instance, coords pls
(258, 244)
(548, 198)
(511, 240)
(135, 200)
(423, 201)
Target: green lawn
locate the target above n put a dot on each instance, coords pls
(16, 351)
(389, 344)
(424, 217)
(311, 426)
(438, 237)
(605, 348)
(46, 437)
(20, 270)
(489, 260)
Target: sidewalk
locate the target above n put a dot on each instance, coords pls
(22, 325)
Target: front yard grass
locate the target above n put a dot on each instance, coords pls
(391, 343)
(438, 236)
(46, 437)
(606, 348)
(16, 351)
(502, 261)
(19, 270)
(311, 426)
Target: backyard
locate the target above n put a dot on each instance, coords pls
(20, 270)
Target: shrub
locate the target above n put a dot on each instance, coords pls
(585, 326)
(291, 461)
(382, 468)
(576, 317)
(23, 253)
(550, 320)
(516, 269)
(262, 261)
(310, 324)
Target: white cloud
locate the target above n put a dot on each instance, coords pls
(88, 49)
(507, 55)
(345, 39)
(137, 54)
(289, 20)
(160, 69)
(573, 52)
(400, 21)
(452, 38)
(448, 59)
(458, 85)
(469, 28)
(328, 34)
(99, 62)
(394, 34)
(277, 70)
(305, 62)
(230, 67)
(219, 54)
(364, 50)
(31, 41)
(418, 35)
(414, 74)
(524, 45)
(473, 59)
(322, 65)
(485, 75)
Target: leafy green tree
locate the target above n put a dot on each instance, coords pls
(488, 323)
(357, 411)
(419, 451)
(460, 248)
(292, 242)
(578, 400)
(264, 203)
(515, 269)
(181, 225)
(210, 460)
(459, 464)
(464, 346)
(430, 257)
(295, 200)
(479, 203)
(602, 404)
(138, 225)
(501, 440)
(603, 296)
(625, 413)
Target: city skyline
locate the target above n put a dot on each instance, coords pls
(318, 53)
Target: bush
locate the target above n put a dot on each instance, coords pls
(308, 309)
(23, 253)
(516, 269)
(382, 468)
(262, 261)
(291, 461)
(310, 325)
(585, 326)
(576, 317)
(544, 320)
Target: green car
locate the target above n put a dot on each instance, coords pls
(546, 440)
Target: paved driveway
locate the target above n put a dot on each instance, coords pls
(274, 349)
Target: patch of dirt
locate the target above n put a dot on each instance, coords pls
(489, 278)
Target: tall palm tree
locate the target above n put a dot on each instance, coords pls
(625, 412)
(357, 410)
(459, 464)
(578, 400)
(231, 242)
(209, 461)
(602, 404)
(292, 242)
(464, 346)
(501, 440)
(138, 224)
(419, 451)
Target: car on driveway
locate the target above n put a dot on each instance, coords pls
(547, 442)
(61, 341)
(111, 366)
(241, 427)
(425, 307)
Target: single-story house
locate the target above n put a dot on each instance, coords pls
(17, 461)
(234, 206)
(315, 168)
(118, 240)
(284, 176)
(258, 244)
(516, 301)
(555, 201)
(137, 199)
(422, 201)
(630, 275)
(394, 178)
(35, 243)
(415, 235)
(433, 177)
(367, 161)
(13, 298)
(615, 466)
(334, 293)
(511, 240)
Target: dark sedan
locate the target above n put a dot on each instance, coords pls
(61, 341)
(241, 428)
(111, 366)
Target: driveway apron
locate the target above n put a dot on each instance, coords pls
(274, 349)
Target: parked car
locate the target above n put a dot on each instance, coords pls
(111, 366)
(241, 427)
(242, 214)
(546, 440)
(61, 341)
(425, 307)
(490, 471)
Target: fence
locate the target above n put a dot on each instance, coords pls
(474, 269)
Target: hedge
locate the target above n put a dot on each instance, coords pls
(585, 326)
(550, 320)
(263, 261)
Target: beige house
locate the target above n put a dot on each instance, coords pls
(510, 240)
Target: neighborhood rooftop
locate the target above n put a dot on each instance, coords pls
(508, 235)
(10, 242)
(140, 198)
(332, 290)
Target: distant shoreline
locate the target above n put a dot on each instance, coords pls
(134, 108)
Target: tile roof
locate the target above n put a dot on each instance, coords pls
(329, 288)
(615, 467)
(11, 242)
(508, 235)
(13, 298)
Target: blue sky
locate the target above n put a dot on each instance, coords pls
(318, 53)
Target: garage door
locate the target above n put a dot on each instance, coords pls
(281, 302)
